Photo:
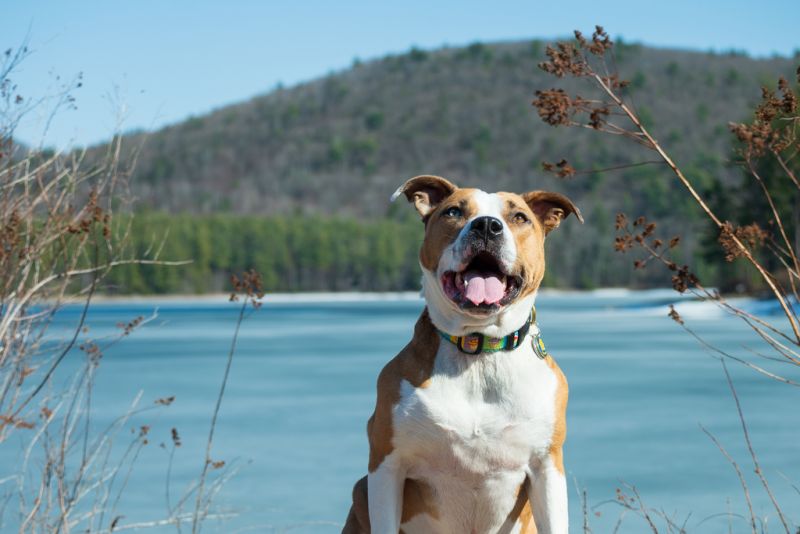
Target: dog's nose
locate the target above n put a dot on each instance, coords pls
(487, 227)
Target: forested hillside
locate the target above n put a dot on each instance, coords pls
(340, 145)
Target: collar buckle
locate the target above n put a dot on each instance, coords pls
(471, 344)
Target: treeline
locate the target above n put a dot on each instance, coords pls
(293, 253)
(331, 253)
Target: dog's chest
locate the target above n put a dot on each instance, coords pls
(477, 415)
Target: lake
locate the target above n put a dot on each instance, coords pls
(302, 387)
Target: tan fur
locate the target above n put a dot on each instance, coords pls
(521, 513)
(551, 208)
(560, 428)
(417, 499)
(358, 518)
(425, 192)
(440, 231)
(529, 237)
(413, 364)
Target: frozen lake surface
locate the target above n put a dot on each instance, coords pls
(302, 388)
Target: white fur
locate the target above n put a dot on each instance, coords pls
(549, 490)
(423, 523)
(397, 193)
(478, 429)
(385, 494)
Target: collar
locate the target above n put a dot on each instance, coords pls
(477, 343)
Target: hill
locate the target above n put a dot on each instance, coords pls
(341, 144)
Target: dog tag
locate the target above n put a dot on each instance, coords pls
(538, 346)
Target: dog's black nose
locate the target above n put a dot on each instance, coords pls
(487, 227)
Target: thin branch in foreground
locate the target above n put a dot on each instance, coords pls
(66, 349)
(563, 169)
(251, 287)
(752, 452)
(739, 474)
(557, 108)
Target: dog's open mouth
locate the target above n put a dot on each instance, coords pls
(482, 284)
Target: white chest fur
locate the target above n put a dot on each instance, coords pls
(474, 429)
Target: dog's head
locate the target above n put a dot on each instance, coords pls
(483, 254)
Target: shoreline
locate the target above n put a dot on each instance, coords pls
(637, 301)
(217, 298)
(351, 296)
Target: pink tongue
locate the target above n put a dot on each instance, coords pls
(483, 289)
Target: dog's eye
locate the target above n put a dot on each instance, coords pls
(453, 212)
(520, 218)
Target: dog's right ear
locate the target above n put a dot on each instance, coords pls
(426, 192)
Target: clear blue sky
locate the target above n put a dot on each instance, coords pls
(163, 60)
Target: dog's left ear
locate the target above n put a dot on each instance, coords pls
(425, 192)
(551, 208)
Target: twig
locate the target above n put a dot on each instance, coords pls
(742, 481)
(758, 470)
(196, 517)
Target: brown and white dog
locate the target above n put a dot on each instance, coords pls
(471, 443)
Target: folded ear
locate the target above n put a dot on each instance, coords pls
(551, 208)
(426, 192)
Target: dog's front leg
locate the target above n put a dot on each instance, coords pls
(548, 495)
(385, 492)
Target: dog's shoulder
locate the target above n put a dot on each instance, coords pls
(413, 364)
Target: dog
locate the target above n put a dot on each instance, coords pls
(469, 422)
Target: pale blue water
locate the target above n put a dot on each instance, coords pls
(302, 388)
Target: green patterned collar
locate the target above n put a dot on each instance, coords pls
(478, 343)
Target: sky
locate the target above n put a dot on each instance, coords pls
(148, 63)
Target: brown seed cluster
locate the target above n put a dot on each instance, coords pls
(645, 229)
(674, 315)
(774, 125)
(642, 236)
(218, 464)
(10, 234)
(568, 58)
(562, 169)
(92, 214)
(92, 351)
(752, 235)
(565, 59)
(600, 44)
(576, 59)
(129, 327)
(176, 439)
(683, 279)
(249, 286)
(6, 420)
(165, 401)
(144, 430)
(555, 106)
